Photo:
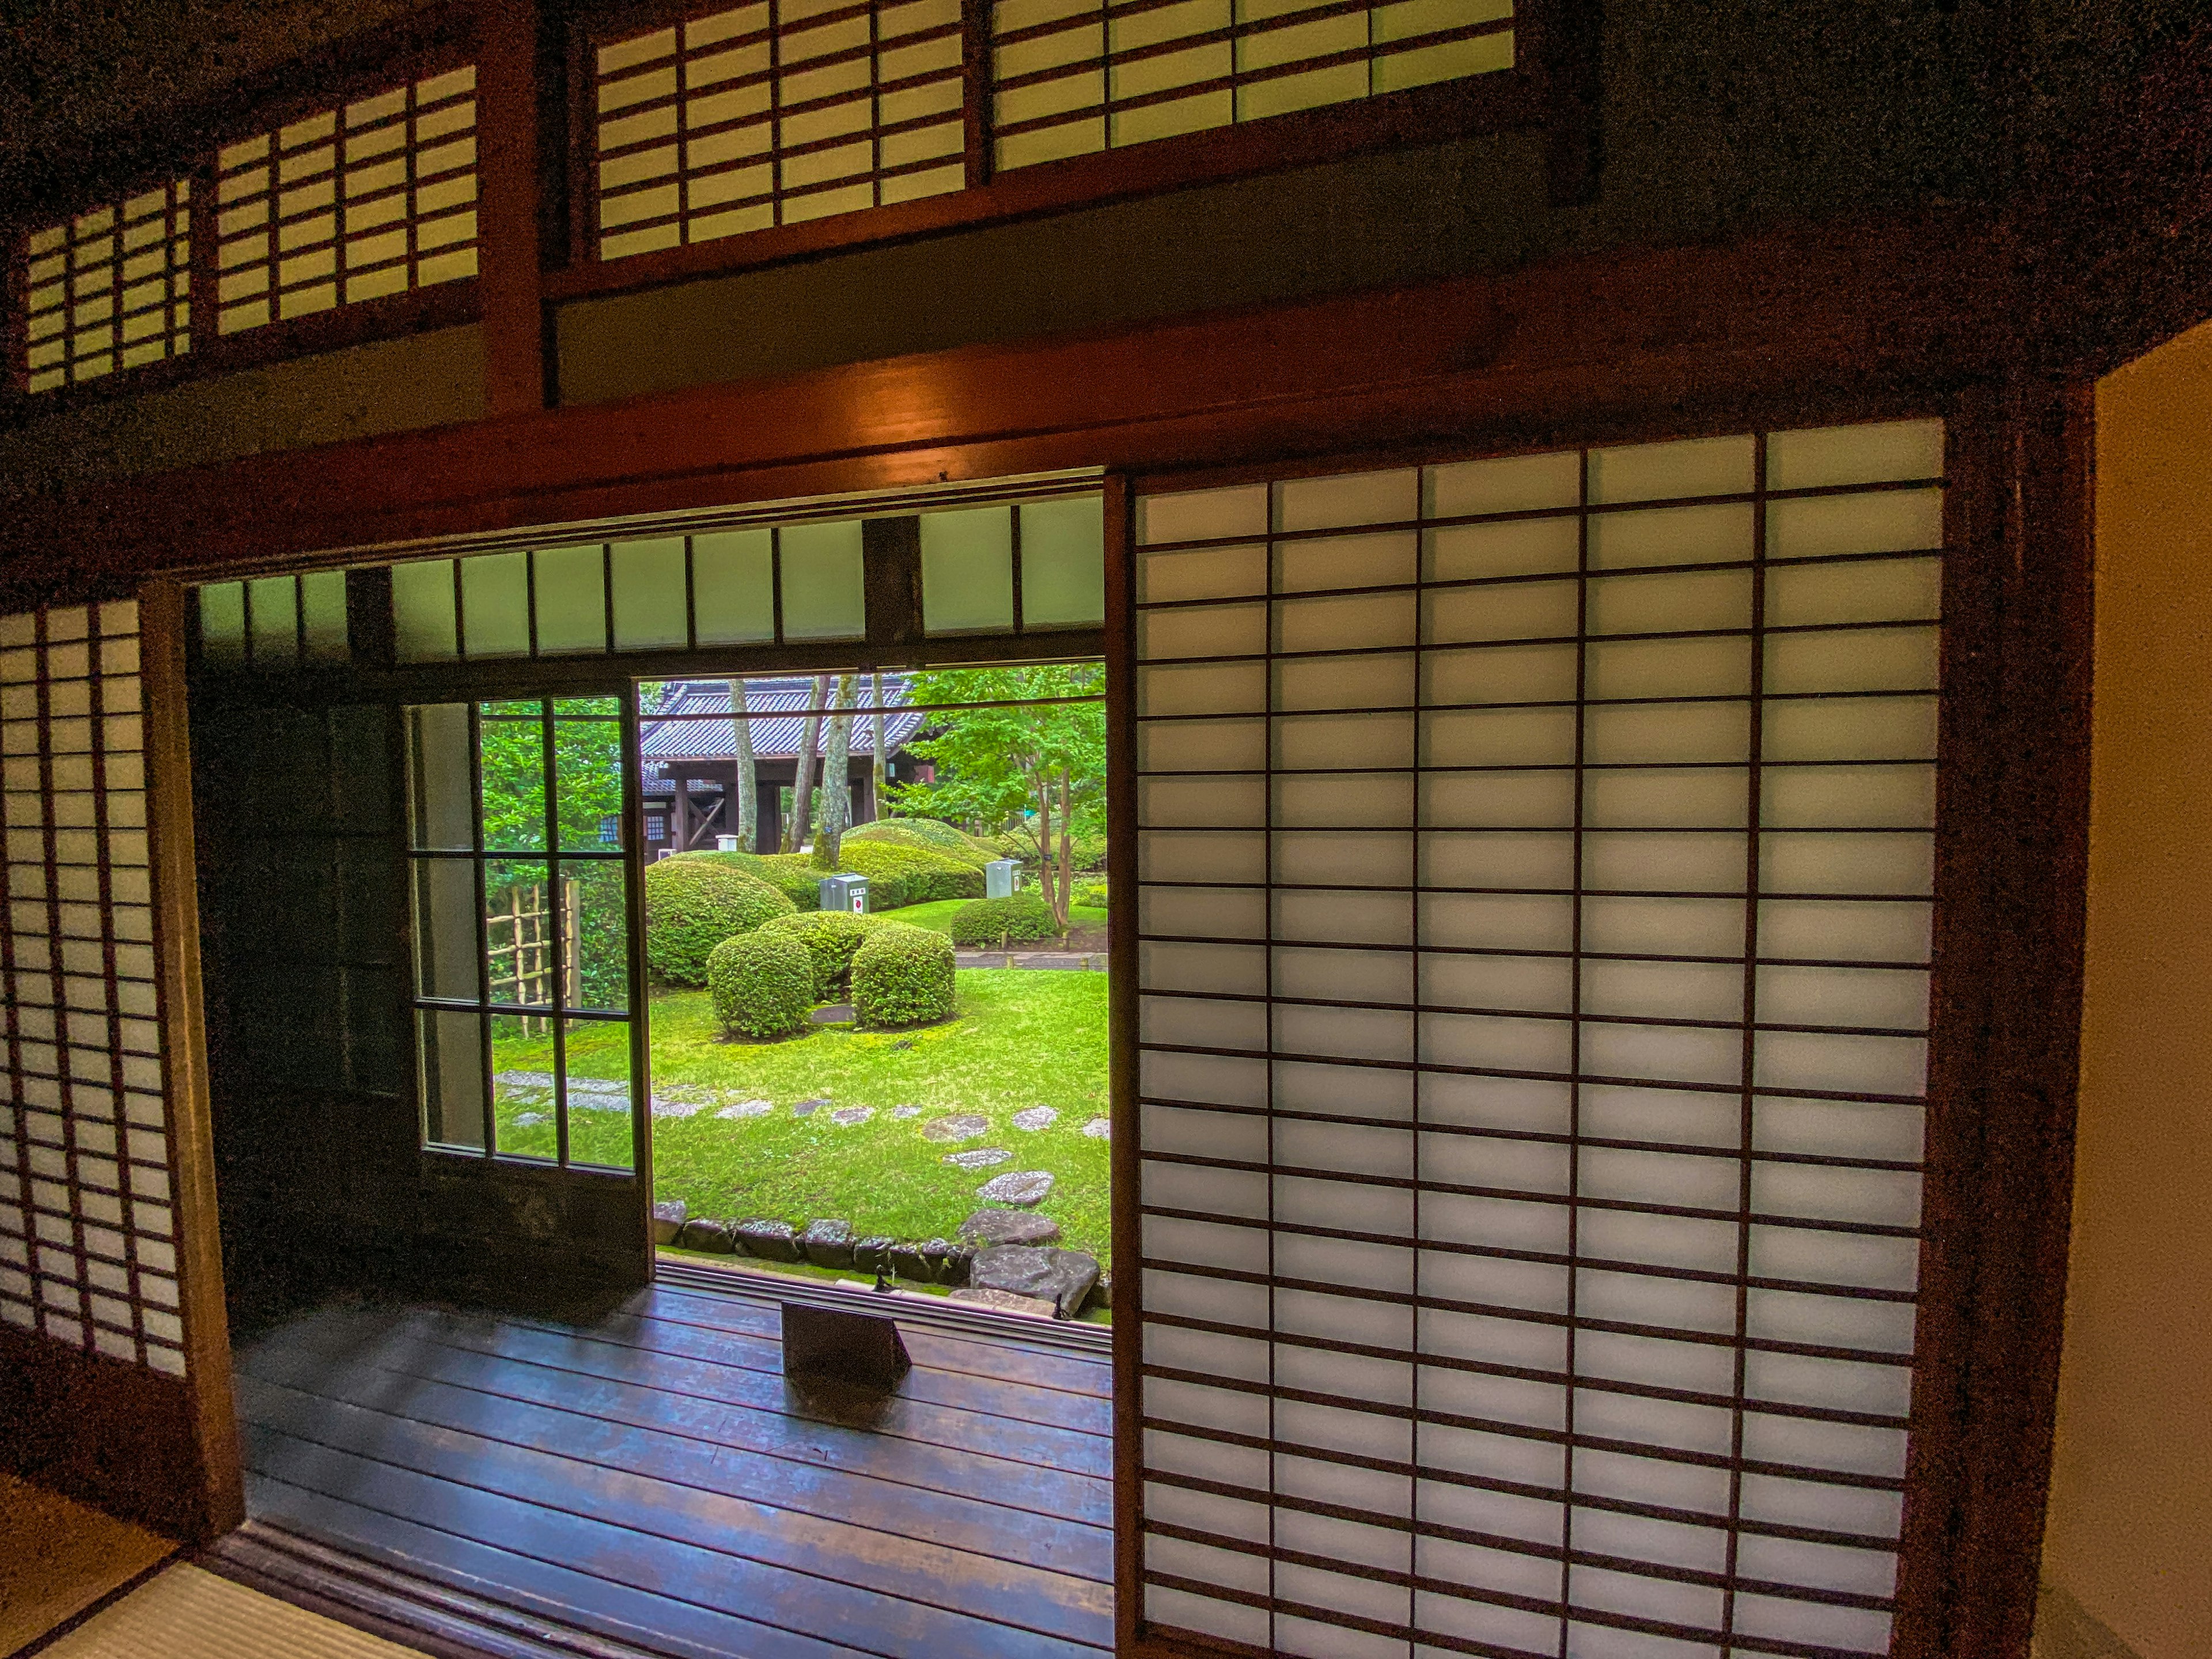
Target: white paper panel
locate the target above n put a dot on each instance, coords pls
(1531, 880)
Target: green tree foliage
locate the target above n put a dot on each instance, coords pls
(1037, 773)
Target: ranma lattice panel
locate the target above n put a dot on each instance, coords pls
(110, 290)
(774, 114)
(87, 1251)
(1537, 867)
(374, 200)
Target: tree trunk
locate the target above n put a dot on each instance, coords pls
(1066, 855)
(802, 788)
(748, 797)
(876, 807)
(837, 783)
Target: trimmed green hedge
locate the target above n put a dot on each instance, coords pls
(903, 975)
(762, 983)
(931, 835)
(1016, 920)
(899, 876)
(692, 903)
(830, 938)
(791, 874)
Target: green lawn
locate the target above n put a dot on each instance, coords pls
(938, 914)
(1022, 1038)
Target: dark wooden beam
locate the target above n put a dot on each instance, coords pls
(509, 278)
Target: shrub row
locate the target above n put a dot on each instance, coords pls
(1016, 920)
(764, 982)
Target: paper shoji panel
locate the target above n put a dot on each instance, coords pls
(375, 199)
(1072, 76)
(86, 1237)
(110, 290)
(774, 114)
(1535, 915)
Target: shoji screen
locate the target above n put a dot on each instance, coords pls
(87, 1239)
(1536, 861)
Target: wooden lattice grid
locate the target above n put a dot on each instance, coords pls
(109, 289)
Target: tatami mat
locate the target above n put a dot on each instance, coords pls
(57, 1557)
(186, 1613)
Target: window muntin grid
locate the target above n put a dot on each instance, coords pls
(375, 199)
(87, 1252)
(111, 290)
(1535, 865)
(1070, 77)
(774, 114)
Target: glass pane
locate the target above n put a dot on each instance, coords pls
(222, 622)
(1064, 563)
(445, 927)
(511, 737)
(273, 604)
(322, 615)
(649, 595)
(518, 933)
(820, 568)
(595, 935)
(600, 1129)
(523, 1108)
(733, 586)
(495, 604)
(968, 571)
(588, 784)
(423, 622)
(572, 599)
(441, 794)
(452, 1078)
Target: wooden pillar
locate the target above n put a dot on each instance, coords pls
(509, 274)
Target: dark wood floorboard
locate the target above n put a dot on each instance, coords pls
(650, 1475)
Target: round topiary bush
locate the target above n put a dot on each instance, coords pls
(930, 835)
(831, 937)
(692, 904)
(1020, 919)
(899, 876)
(791, 874)
(762, 983)
(903, 975)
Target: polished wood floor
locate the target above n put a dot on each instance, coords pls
(647, 1476)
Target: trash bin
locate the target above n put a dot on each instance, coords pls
(845, 891)
(998, 878)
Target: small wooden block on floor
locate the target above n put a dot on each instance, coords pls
(828, 1345)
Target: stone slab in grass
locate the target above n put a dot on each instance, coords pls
(748, 1108)
(902, 1112)
(828, 1243)
(837, 1013)
(1037, 1117)
(806, 1107)
(979, 1157)
(1061, 1276)
(676, 1106)
(962, 1126)
(1099, 1128)
(846, 1117)
(1009, 1227)
(1018, 1187)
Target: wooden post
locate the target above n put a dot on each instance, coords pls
(507, 160)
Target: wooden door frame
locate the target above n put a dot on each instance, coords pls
(1788, 329)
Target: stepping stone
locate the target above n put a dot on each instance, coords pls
(838, 1013)
(771, 1240)
(668, 1219)
(705, 1235)
(979, 1157)
(828, 1243)
(526, 1080)
(530, 1119)
(663, 1107)
(1063, 1277)
(748, 1108)
(1003, 1302)
(1022, 1187)
(581, 1102)
(1038, 1117)
(1099, 1128)
(610, 1088)
(904, 1112)
(988, 1227)
(965, 1126)
(805, 1107)
(846, 1116)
